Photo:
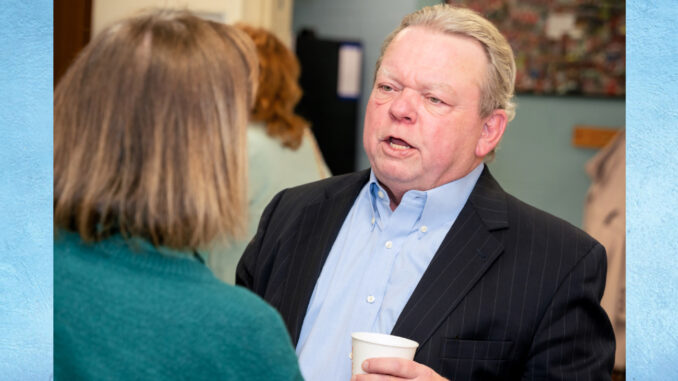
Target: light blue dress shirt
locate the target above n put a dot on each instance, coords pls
(372, 269)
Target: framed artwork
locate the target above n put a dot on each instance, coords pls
(562, 47)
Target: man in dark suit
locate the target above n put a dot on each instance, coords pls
(426, 245)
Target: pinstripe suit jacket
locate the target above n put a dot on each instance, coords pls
(512, 292)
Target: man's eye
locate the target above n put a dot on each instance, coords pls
(385, 88)
(434, 100)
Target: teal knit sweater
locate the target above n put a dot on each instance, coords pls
(127, 311)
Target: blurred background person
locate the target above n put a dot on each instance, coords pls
(281, 149)
(149, 171)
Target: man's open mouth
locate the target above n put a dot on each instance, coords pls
(396, 143)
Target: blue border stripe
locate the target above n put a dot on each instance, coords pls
(26, 190)
(652, 190)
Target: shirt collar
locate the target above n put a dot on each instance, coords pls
(440, 205)
(379, 202)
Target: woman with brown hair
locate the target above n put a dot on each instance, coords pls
(150, 171)
(282, 151)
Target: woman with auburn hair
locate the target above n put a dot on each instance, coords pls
(149, 172)
(282, 151)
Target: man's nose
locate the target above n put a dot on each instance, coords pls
(403, 108)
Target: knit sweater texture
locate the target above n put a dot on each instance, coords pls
(124, 310)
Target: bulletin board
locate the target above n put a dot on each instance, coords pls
(562, 47)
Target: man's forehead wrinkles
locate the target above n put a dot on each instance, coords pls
(420, 82)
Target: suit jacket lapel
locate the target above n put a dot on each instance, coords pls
(318, 228)
(465, 254)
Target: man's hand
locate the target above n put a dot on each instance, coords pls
(392, 369)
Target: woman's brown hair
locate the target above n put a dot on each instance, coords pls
(149, 132)
(279, 90)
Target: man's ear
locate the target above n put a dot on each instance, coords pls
(493, 129)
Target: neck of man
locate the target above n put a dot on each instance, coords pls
(396, 193)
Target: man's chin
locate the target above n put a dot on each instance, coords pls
(394, 177)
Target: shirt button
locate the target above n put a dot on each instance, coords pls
(388, 244)
(370, 299)
(423, 229)
(380, 194)
(373, 220)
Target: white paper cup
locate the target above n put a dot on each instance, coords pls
(367, 345)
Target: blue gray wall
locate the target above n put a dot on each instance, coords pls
(536, 161)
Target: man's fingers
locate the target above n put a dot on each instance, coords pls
(396, 367)
(388, 368)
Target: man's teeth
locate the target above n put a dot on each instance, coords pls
(398, 146)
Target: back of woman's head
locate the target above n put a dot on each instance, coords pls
(149, 126)
(279, 92)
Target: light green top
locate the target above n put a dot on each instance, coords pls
(272, 168)
(127, 311)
